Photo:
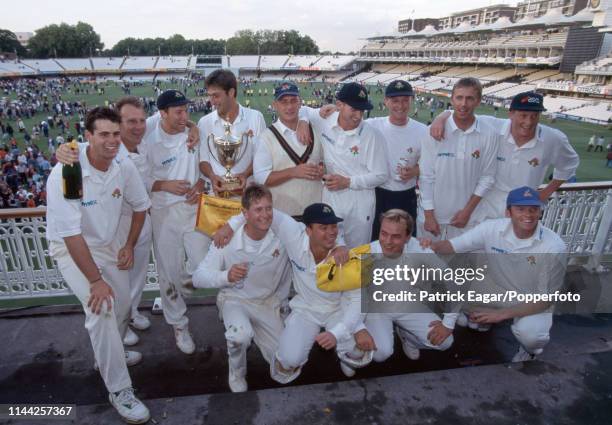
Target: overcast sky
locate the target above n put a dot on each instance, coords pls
(333, 24)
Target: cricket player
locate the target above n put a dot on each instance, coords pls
(355, 161)
(310, 243)
(175, 190)
(222, 88)
(254, 276)
(291, 170)
(526, 257)
(526, 152)
(458, 172)
(83, 239)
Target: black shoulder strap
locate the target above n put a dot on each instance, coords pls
(292, 155)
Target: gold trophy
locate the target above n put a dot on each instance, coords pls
(229, 153)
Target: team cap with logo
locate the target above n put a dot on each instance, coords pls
(528, 101)
(320, 214)
(523, 196)
(171, 98)
(354, 95)
(286, 89)
(399, 88)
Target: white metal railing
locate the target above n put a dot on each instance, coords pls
(581, 213)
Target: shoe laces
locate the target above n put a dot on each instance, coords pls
(126, 397)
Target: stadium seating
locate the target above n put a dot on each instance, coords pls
(272, 62)
(172, 62)
(512, 91)
(244, 61)
(43, 66)
(75, 64)
(135, 63)
(107, 64)
(559, 104)
(599, 112)
(10, 67)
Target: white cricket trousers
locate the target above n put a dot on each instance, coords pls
(142, 254)
(357, 208)
(247, 321)
(297, 339)
(415, 327)
(533, 332)
(106, 330)
(174, 235)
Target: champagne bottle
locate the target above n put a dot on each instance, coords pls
(72, 178)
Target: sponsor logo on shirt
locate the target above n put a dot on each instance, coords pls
(355, 150)
(116, 193)
(446, 154)
(168, 161)
(329, 139)
(476, 154)
(297, 266)
(89, 203)
(501, 158)
(531, 260)
(409, 150)
(499, 250)
(534, 162)
(276, 253)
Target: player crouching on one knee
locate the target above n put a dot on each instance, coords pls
(529, 258)
(308, 244)
(254, 276)
(417, 330)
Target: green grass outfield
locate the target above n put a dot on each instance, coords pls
(592, 165)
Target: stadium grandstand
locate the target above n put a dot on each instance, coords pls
(563, 52)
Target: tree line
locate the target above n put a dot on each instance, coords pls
(80, 40)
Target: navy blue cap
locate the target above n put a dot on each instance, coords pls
(286, 89)
(354, 95)
(171, 98)
(320, 214)
(523, 196)
(399, 88)
(528, 101)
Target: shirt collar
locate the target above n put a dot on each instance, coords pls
(505, 131)
(336, 126)
(241, 241)
(239, 117)
(524, 243)
(453, 126)
(282, 127)
(87, 170)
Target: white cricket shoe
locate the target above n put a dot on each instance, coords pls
(130, 338)
(140, 322)
(132, 410)
(410, 350)
(131, 358)
(184, 340)
(237, 384)
(523, 355)
(348, 371)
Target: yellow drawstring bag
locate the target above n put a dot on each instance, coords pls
(334, 278)
(214, 212)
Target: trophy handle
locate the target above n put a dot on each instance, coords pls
(244, 137)
(210, 150)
